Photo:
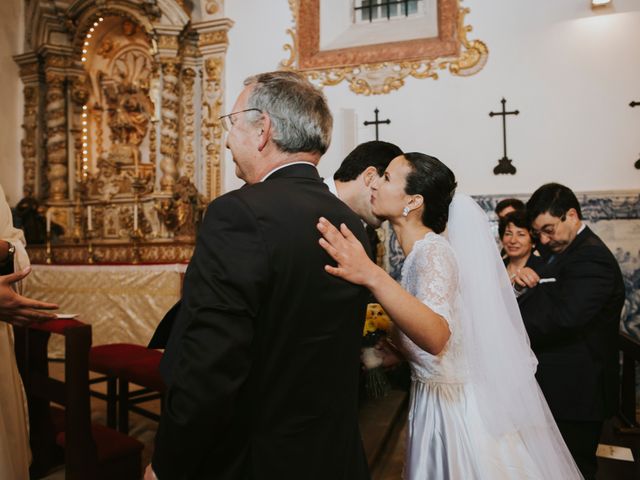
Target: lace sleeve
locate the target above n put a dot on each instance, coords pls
(434, 276)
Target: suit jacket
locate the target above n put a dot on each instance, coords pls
(262, 361)
(573, 326)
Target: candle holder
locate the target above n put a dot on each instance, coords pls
(77, 218)
(48, 251)
(92, 257)
(136, 236)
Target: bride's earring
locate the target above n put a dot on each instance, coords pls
(405, 211)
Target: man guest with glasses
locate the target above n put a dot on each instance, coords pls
(571, 308)
(263, 359)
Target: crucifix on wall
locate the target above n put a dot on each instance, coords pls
(504, 164)
(376, 122)
(635, 104)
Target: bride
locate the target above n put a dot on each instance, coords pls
(476, 411)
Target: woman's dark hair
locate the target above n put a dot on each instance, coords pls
(436, 183)
(518, 218)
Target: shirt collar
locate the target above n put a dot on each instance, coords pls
(331, 183)
(283, 166)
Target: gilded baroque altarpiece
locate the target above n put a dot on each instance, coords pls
(121, 144)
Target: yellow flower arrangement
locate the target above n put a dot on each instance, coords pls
(376, 327)
(376, 320)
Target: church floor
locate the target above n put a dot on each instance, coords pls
(383, 432)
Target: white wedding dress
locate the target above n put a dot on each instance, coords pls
(462, 423)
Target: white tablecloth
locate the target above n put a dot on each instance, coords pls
(123, 303)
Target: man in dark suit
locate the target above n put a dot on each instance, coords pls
(262, 360)
(571, 308)
(352, 182)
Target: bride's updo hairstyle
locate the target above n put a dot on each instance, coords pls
(436, 183)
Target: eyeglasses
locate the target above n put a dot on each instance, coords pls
(227, 120)
(548, 230)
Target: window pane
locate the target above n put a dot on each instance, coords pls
(369, 10)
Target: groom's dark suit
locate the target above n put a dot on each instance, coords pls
(263, 358)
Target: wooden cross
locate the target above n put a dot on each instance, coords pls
(635, 104)
(376, 122)
(504, 164)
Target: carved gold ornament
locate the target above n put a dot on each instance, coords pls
(212, 7)
(168, 42)
(211, 130)
(28, 69)
(458, 54)
(213, 38)
(179, 252)
(187, 136)
(106, 48)
(29, 142)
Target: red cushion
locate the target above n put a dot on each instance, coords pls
(145, 373)
(110, 444)
(59, 325)
(57, 417)
(115, 359)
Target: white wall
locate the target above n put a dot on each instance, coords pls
(11, 101)
(570, 70)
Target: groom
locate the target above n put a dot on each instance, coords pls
(262, 361)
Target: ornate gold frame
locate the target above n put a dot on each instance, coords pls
(382, 68)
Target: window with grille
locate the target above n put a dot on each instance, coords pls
(346, 24)
(382, 10)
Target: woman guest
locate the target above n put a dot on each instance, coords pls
(517, 242)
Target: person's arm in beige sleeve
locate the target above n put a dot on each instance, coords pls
(14, 260)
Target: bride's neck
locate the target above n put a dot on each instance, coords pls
(408, 231)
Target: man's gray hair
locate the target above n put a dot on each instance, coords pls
(298, 110)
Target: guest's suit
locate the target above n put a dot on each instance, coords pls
(262, 362)
(573, 326)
